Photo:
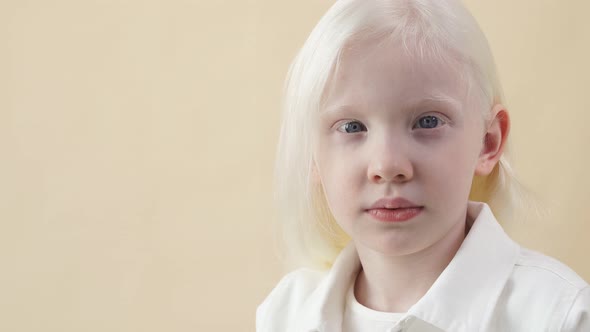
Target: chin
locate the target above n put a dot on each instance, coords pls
(395, 246)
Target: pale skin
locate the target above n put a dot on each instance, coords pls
(392, 127)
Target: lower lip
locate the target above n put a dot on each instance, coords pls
(395, 215)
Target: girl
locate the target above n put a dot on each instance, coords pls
(390, 176)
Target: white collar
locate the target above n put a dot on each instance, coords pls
(459, 300)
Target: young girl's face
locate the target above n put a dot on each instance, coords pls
(395, 127)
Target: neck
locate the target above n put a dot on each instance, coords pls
(394, 284)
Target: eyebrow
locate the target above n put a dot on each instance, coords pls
(436, 97)
(439, 97)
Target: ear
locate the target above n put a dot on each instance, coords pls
(494, 141)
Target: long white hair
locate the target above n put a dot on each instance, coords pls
(442, 30)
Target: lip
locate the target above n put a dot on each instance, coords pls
(393, 203)
(394, 209)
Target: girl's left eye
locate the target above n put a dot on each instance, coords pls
(429, 122)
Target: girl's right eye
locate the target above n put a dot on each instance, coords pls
(352, 127)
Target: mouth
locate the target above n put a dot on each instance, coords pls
(395, 214)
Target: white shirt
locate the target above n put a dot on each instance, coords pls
(492, 284)
(357, 317)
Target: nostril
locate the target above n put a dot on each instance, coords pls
(377, 178)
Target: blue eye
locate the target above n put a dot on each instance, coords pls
(428, 122)
(352, 127)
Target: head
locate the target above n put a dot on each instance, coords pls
(389, 98)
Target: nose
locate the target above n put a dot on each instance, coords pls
(390, 164)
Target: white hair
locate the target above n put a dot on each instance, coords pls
(442, 30)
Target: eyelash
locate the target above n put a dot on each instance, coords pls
(364, 128)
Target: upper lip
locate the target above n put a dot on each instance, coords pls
(393, 203)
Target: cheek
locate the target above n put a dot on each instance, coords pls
(451, 168)
(341, 179)
(338, 166)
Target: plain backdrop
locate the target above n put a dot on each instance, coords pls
(137, 140)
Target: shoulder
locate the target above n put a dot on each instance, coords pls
(542, 286)
(533, 264)
(287, 297)
(294, 287)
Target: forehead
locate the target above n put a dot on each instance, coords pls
(384, 71)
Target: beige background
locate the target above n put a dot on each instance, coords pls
(137, 140)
